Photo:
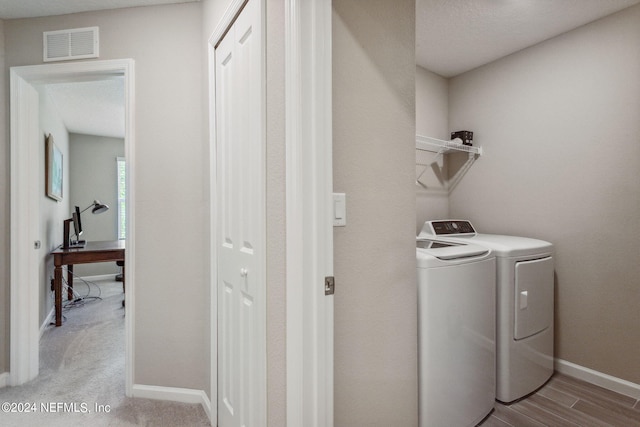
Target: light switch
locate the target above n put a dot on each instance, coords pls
(339, 210)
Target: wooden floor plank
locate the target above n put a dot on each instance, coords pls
(558, 396)
(526, 407)
(566, 401)
(632, 414)
(567, 413)
(514, 418)
(605, 415)
(621, 406)
(589, 392)
(493, 421)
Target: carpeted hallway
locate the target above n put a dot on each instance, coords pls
(82, 368)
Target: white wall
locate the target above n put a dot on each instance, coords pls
(52, 212)
(432, 119)
(376, 369)
(559, 125)
(172, 333)
(93, 175)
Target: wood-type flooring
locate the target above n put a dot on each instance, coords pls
(566, 401)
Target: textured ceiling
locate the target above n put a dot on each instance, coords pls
(91, 108)
(11, 9)
(454, 36)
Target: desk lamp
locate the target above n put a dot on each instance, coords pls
(98, 208)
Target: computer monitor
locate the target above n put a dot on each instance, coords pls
(77, 222)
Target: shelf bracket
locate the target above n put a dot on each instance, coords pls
(441, 147)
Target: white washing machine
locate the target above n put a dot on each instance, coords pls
(456, 333)
(525, 301)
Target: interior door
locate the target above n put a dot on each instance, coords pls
(240, 154)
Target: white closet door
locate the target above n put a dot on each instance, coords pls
(240, 139)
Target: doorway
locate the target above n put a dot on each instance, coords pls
(25, 232)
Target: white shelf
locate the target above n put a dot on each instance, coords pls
(426, 143)
(439, 146)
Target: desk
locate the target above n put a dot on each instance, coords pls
(108, 251)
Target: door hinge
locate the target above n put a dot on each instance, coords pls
(329, 285)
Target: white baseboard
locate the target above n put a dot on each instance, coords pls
(4, 380)
(598, 378)
(174, 394)
(110, 276)
(47, 320)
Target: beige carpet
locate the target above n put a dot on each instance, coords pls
(81, 381)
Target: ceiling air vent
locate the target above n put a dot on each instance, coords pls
(64, 45)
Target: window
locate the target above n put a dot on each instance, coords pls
(122, 197)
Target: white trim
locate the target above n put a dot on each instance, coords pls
(24, 310)
(97, 277)
(233, 10)
(4, 379)
(129, 255)
(24, 286)
(47, 321)
(213, 229)
(309, 240)
(598, 378)
(206, 405)
(174, 394)
(122, 160)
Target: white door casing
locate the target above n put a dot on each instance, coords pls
(24, 205)
(309, 241)
(241, 221)
(25, 196)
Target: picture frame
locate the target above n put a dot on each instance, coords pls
(54, 168)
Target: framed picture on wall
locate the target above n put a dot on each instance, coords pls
(53, 173)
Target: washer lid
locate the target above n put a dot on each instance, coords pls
(447, 251)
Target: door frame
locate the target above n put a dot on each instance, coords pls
(309, 229)
(25, 334)
(309, 213)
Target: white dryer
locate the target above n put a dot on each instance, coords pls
(456, 333)
(525, 304)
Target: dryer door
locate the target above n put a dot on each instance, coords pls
(534, 297)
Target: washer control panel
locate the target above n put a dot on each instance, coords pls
(450, 227)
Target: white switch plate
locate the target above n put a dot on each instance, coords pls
(339, 210)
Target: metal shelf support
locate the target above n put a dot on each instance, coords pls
(441, 147)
